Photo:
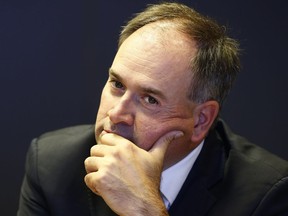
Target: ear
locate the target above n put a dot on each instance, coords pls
(204, 116)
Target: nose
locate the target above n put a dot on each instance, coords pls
(122, 111)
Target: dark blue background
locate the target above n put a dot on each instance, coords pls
(54, 56)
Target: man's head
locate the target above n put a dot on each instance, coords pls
(160, 81)
(216, 63)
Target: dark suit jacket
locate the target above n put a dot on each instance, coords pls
(231, 177)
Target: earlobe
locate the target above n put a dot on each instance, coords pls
(204, 116)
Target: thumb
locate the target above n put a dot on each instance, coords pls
(159, 148)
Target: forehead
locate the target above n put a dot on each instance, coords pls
(156, 52)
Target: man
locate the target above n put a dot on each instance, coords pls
(161, 149)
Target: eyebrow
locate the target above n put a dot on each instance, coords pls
(112, 73)
(147, 90)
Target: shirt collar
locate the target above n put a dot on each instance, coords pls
(173, 178)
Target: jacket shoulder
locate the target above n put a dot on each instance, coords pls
(75, 131)
(252, 178)
(66, 139)
(55, 171)
(60, 153)
(245, 151)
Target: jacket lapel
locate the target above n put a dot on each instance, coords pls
(195, 196)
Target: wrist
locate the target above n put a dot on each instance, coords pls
(150, 205)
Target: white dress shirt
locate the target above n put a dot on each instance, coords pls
(173, 178)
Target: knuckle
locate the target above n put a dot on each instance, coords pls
(126, 146)
(93, 150)
(91, 182)
(86, 161)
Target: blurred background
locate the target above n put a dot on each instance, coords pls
(54, 57)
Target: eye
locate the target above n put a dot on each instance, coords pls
(117, 84)
(151, 100)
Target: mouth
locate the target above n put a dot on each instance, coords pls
(104, 131)
(122, 130)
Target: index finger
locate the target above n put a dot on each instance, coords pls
(112, 139)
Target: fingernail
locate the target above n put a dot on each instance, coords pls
(178, 134)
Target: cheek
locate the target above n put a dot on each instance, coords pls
(187, 126)
(149, 132)
(146, 135)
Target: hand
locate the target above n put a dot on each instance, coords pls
(126, 176)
